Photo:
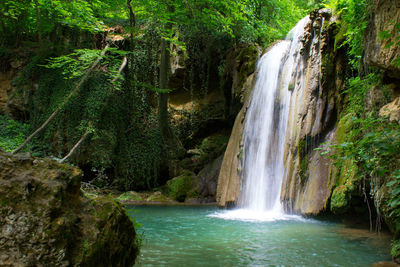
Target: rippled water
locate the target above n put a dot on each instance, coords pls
(206, 236)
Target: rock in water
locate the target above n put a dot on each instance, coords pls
(46, 221)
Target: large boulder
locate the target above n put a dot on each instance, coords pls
(45, 220)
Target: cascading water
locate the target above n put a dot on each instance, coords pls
(279, 76)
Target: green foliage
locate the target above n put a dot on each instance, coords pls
(367, 150)
(395, 250)
(77, 64)
(12, 133)
(26, 18)
(394, 201)
(355, 18)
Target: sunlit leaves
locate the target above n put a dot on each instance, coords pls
(76, 64)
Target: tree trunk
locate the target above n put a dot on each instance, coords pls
(75, 147)
(163, 97)
(132, 18)
(73, 92)
(173, 144)
(38, 23)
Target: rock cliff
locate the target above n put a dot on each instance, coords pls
(381, 40)
(312, 116)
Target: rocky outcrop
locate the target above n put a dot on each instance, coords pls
(307, 186)
(381, 41)
(312, 116)
(391, 110)
(46, 221)
(208, 179)
(240, 64)
(14, 99)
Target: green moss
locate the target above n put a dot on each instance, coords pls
(130, 196)
(303, 168)
(86, 247)
(212, 143)
(248, 61)
(340, 37)
(291, 86)
(158, 197)
(180, 187)
(344, 128)
(303, 157)
(340, 200)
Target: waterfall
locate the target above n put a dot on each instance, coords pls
(279, 75)
(280, 79)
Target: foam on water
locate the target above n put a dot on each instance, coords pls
(249, 215)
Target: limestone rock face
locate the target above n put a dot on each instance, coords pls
(240, 64)
(307, 186)
(385, 16)
(228, 188)
(46, 221)
(391, 110)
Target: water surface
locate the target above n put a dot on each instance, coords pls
(205, 236)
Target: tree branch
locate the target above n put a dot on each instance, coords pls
(75, 147)
(75, 90)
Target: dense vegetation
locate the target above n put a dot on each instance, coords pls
(114, 106)
(103, 69)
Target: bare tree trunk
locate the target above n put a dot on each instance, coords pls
(75, 146)
(74, 91)
(121, 68)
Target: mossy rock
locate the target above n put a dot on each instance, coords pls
(340, 200)
(247, 59)
(158, 197)
(340, 37)
(343, 132)
(50, 221)
(214, 143)
(130, 196)
(182, 186)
